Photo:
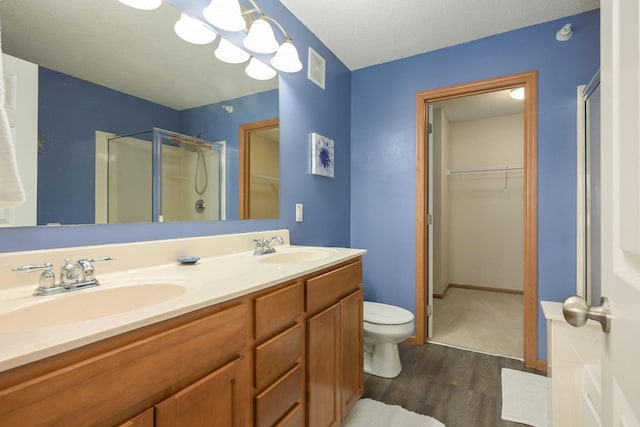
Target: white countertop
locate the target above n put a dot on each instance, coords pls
(212, 280)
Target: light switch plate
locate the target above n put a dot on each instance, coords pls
(299, 208)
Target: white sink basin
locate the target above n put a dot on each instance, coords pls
(87, 304)
(295, 255)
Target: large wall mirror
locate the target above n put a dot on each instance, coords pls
(104, 70)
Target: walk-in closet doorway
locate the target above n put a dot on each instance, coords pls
(476, 217)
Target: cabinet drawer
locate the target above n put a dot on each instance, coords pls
(273, 403)
(277, 310)
(295, 418)
(328, 288)
(276, 356)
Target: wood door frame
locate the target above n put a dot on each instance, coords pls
(530, 82)
(244, 158)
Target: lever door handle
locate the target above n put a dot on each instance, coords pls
(576, 311)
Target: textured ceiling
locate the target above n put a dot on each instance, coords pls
(369, 32)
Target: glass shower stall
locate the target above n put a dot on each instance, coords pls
(160, 175)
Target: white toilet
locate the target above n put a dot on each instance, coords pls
(384, 327)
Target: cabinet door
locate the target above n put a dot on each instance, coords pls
(221, 399)
(145, 419)
(323, 368)
(352, 369)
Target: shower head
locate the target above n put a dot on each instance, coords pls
(188, 146)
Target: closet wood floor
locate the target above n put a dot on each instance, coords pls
(458, 387)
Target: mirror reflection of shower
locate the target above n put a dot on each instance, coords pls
(160, 175)
(200, 160)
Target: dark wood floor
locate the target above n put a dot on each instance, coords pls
(458, 387)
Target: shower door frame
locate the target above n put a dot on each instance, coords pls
(530, 286)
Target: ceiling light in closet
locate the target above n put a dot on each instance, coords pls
(517, 93)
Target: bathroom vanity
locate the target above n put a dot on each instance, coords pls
(277, 344)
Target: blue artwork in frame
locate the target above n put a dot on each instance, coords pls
(322, 161)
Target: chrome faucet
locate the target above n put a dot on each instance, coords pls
(72, 276)
(264, 246)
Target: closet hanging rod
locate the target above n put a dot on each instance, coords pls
(265, 178)
(502, 169)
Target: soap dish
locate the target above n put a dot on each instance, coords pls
(188, 259)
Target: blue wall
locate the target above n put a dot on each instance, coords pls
(383, 179)
(304, 108)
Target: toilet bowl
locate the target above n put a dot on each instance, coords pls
(384, 327)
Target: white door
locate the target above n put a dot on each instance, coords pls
(620, 80)
(21, 103)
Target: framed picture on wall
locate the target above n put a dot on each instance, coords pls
(322, 155)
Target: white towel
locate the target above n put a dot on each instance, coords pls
(11, 190)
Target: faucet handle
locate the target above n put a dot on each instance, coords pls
(29, 268)
(86, 266)
(103, 259)
(47, 278)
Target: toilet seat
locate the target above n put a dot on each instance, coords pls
(384, 314)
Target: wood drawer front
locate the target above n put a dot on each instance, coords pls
(111, 387)
(295, 418)
(326, 289)
(277, 310)
(273, 403)
(276, 356)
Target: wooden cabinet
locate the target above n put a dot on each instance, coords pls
(288, 356)
(112, 381)
(217, 400)
(323, 368)
(334, 345)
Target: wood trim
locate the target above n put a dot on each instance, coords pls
(443, 294)
(529, 80)
(542, 366)
(486, 289)
(244, 157)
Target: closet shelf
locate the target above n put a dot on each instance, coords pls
(483, 170)
(265, 178)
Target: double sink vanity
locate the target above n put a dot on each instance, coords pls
(235, 339)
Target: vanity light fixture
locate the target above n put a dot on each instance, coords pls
(517, 93)
(228, 15)
(230, 53)
(225, 14)
(142, 4)
(193, 30)
(259, 70)
(286, 58)
(261, 38)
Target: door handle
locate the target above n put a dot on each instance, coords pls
(576, 311)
